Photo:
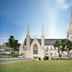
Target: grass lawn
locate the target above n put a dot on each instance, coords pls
(38, 66)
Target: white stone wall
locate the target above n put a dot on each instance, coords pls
(50, 51)
(40, 52)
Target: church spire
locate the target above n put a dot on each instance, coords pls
(70, 28)
(42, 37)
(42, 29)
(69, 34)
(28, 29)
(43, 41)
(28, 37)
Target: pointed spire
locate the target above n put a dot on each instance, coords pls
(42, 29)
(71, 10)
(71, 17)
(70, 26)
(69, 34)
(27, 29)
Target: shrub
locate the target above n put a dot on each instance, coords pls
(39, 58)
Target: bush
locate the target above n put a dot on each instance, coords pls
(39, 58)
(15, 54)
(46, 58)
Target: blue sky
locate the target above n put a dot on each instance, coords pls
(16, 14)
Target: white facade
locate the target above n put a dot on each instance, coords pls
(39, 48)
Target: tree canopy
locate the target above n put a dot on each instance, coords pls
(13, 43)
(63, 45)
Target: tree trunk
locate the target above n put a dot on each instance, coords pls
(59, 53)
(68, 53)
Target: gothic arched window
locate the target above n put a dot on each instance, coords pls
(35, 49)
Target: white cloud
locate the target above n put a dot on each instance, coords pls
(63, 4)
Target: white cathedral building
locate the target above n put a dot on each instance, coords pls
(39, 48)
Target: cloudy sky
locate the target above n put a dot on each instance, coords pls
(16, 14)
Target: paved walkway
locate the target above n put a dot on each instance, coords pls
(12, 60)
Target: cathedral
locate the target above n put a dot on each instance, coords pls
(39, 48)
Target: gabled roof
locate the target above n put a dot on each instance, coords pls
(51, 41)
(30, 41)
(47, 41)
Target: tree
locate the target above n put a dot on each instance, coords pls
(68, 46)
(12, 43)
(63, 45)
(57, 44)
(16, 44)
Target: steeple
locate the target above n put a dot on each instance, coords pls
(43, 42)
(42, 34)
(28, 30)
(69, 35)
(71, 16)
(28, 37)
(42, 37)
(42, 29)
(70, 27)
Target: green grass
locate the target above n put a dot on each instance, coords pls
(38, 66)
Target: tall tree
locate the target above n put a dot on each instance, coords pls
(16, 44)
(12, 43)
